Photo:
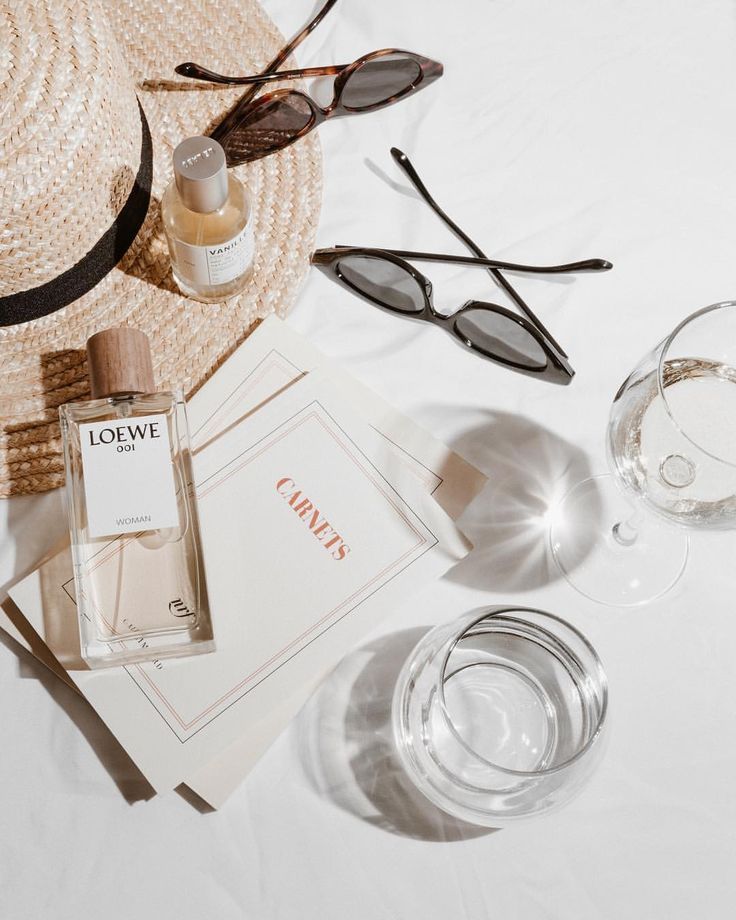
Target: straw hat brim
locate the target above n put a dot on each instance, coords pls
(43, 361)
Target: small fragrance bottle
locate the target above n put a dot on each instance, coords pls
(140, 586)
(206, 214)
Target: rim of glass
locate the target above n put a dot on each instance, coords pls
(490, 614)
(665, 348)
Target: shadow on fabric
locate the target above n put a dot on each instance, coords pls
(529, 470)
(130, 781)
(348, 751)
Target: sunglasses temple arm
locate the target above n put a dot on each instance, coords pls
(587, 265)
(227, 123)
(197, 72)
(405, 163)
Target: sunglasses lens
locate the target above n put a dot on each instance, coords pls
(383, 282)
(497, 336)
(378, 80)
(267, 128)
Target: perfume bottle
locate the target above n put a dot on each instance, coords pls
(138, 574)
(207, 218)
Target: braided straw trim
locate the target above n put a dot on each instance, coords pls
(69, 141)
(43, 362)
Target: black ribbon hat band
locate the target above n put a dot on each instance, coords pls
(101, 258)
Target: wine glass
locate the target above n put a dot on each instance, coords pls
(621, 538)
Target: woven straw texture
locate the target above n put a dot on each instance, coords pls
(70, 139)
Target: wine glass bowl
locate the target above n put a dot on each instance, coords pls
(671, 446)
(672, 431)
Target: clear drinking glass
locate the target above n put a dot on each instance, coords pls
(672, 452)
(500, 715)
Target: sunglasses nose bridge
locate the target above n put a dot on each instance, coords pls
(341, 80)
(334, 107)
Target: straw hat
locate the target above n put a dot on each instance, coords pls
(89, 108)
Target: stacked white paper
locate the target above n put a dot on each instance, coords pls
(321, 509)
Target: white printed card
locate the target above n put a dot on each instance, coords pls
(272, 359)
(313, 528)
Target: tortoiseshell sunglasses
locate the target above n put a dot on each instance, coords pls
(252, 130)
(384, 277)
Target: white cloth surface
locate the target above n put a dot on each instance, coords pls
(559, 131)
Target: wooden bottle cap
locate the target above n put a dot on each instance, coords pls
(119, 362)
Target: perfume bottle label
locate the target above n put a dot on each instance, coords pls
(128, 475)
(219, 263)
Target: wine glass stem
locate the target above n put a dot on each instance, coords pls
(625, 533)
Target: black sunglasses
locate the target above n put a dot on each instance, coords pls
(253, 130)
(384, 277)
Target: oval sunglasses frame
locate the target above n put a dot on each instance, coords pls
(556, 369)
(247, 109)
(429, 70)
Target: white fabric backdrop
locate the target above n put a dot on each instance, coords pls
(559, 131)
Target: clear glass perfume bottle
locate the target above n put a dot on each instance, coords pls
(140, 586)
(206, 215)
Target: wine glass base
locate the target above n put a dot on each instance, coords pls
(606, 562)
